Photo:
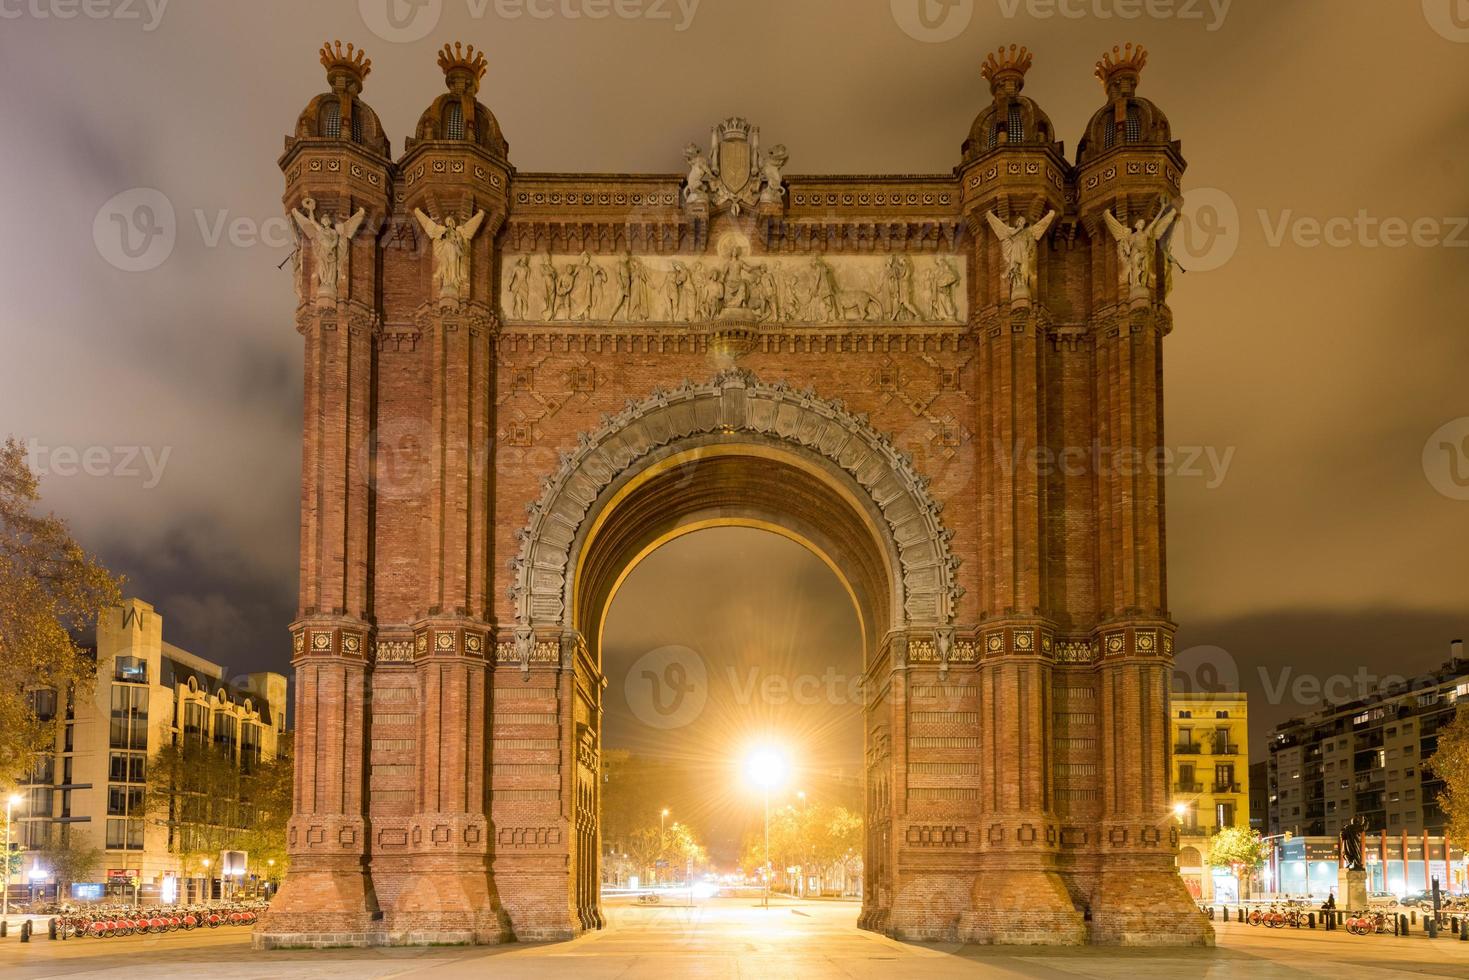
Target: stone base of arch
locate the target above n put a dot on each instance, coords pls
(1022, 905)
(1143, 902)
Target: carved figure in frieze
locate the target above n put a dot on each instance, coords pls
(1137, 249)
(566, 278)
(638, 301)
(597, 288)
(450, 251)
(548, 286)
(1019, 245)
(518, 288)
(767, 293)
(330, 243)
(795, 307)
(824, 293)
(898, 286)
(582, 287)
(736, 281)
(943, 279)
(675, 286)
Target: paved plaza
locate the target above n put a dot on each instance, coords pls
(735, 939)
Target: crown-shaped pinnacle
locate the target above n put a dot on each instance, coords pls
(1003, 65)
(1126, 60)
(352, 60)
(460, 58)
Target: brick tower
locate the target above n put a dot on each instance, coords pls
(948, 385)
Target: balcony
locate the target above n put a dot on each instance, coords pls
(1226, 748)
(1186, 748)
(1188, 787)
(1226, 787)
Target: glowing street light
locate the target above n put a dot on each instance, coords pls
(767, 768)
(12, 801)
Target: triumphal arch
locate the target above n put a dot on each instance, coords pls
(518, 383)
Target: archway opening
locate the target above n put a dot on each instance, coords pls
(733, 594)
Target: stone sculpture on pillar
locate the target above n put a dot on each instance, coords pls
(1137, 250)
(1018, 245)
(451, 252)
(330, 242)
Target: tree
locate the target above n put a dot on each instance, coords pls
(267, 801)
(50, 590)
(1238, 848)
(1450, 762)
(73, 858)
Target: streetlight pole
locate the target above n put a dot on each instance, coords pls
(11, 801)
(767, 845)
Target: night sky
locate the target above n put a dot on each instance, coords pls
(1323, 528)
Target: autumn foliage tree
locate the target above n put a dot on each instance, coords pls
(50, 592)
(1450, 762)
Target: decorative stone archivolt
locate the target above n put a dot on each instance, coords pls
(735, 401)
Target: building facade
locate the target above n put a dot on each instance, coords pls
(148, 694)
(1366, 758)
(1395, 865)
(517, 384)
(1211, 777)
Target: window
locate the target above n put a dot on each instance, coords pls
(454, 121)
(127, 767)
(68, 740)
(1134, 123)
(124, 801)
(225, 726)
(249, 747)
(1221, 714)
(1185, 713)
(331, 119)
(356, 125)
(124, 834)
(66, 771)
(1411, 794)
(129, 717)
(130, 670)
(1016, 128)
(43, 769)
(42, 703)
(1393, 819)
(196, 723)
(1225, 814)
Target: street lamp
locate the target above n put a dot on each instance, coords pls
(208, 884)
(767, 769)
(12, 801)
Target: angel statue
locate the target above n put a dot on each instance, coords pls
(701, 177)
(451, 251)
(1136, 250)
(330, 242)
(1018, 246)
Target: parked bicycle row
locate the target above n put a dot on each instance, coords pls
(1292, 915)
(104, 922)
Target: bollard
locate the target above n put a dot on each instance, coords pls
(1430, 926)
(4, 928)
(1464, 931)
(1413, 917)
(1405, 923)
(51, 926)
(1311, 920)
(25, 931)
(1395, 926)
